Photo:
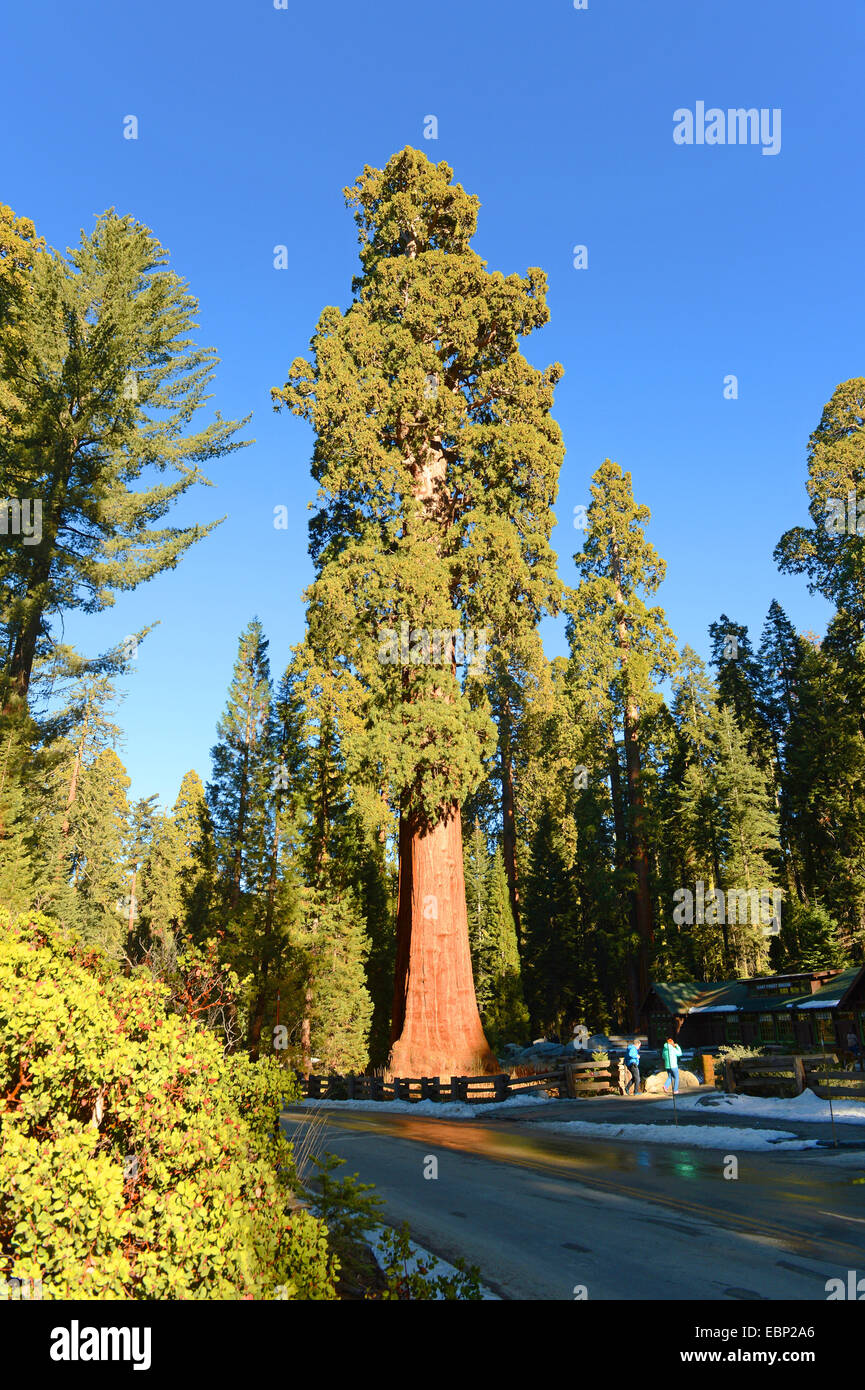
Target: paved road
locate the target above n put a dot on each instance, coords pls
(542, 1213)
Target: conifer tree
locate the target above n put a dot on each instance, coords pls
(779, 664)
(505, 1016)
(189, 825)
(750, 838)
(437, 462)
(17, 870)
(142, 817)
(98, 384)
(824, 776)
(809, 940)
(739, 683)
(830, 552)
(551, 949)
(94, 898)
(238, 794)
(693, 837)
(329, 936)
(242, 802)
(625, 645)
(476, 868)
(158, 900)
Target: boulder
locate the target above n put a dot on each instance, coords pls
(656, 1082)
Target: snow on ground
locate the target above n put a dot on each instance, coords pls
(806, 1106)
(700, 1136)
(439, 1266)
(450, 1109)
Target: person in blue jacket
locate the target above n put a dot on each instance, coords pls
(671, 1054)
(632, 1058)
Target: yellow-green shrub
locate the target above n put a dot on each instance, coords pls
(136, 1161)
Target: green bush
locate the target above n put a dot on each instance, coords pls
(410, 1277)
(136, 1160)
(739, 1052)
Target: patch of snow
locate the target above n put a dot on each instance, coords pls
(806, 1106)
(418, 1253)
(699, 1136)
(452, 1109)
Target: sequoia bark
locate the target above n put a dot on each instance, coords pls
(436, 1028)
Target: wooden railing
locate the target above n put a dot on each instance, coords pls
(585, 1079)
(843, 1085)
(414, 1088)
(789, 1075)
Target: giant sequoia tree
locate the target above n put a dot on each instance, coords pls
(437, 462)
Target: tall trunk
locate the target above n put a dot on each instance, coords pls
(639, 851)
(73, 790)
(631, 965)
(509, 827)
(241, 817)
(436, 1028)
(38, 597)
(257, 1020)
(71, 795)
(306, 1031)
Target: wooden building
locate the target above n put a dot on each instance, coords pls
(804, 1010)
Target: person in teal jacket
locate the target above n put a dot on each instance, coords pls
(671, 1053)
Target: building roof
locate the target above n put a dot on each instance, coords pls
(834, 990)
(679, 996)
(741, 996)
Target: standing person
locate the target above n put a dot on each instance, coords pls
(672, 1052)
(853, 1046)
(632, 1057)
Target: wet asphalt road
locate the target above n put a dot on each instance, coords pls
(543, 1214)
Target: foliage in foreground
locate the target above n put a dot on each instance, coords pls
(352, 1209)
(411, 1276)
(136, 1160)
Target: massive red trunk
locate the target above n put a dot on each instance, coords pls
(436, 1028)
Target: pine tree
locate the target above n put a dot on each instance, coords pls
(692, 815)
(824, 776)
(239, 792)
(19, 248)
(97, 889)
(329, 938)
(438, 463)
(17, 873)
(243, 804)
(809, 940)
(750, 839)
(550, 932)
(158, 900)
(142, 817)
(779, 664)
(830, 552)
(505, 1016)
(98, 383)
(476, 868)
(624, 645)
(739, 681)
(190, 824)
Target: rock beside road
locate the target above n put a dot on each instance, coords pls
(687, 1081)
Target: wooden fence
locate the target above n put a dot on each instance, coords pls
(790, 1076)
(585, 1079)
(773, 1076)
(577, 1080)
(464, 1088)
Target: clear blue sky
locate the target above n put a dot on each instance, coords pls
(702, 261)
